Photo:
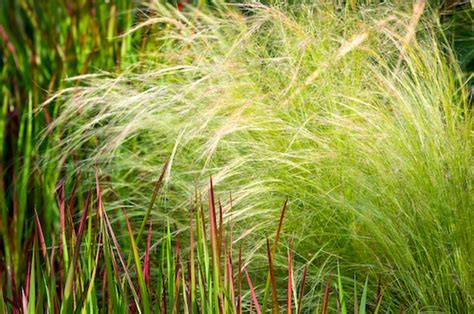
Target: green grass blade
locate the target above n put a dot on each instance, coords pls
(138, 266)
(363, 299)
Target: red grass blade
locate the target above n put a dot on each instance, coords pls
(226, 271)
(41, 237)
(221, 229)
(275, 245)
(289, 288)
(62, 222)
(72, 195)
(24, 301)
(215, 245)
(379, 291)
(275, 306)
(378, 301)
(303, 283)
(231, 281)
(326, 295)
(187, 289)
(28, 278)
(80, 231)
(280, 224)
(85, 212)
(252, 291)
(239, 282)
(176, 280)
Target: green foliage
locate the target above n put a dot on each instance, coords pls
(361, 119)
(354, 111)
(201, 279)
(41, 44)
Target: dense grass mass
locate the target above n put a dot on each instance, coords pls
(41, 44)
(360, 118)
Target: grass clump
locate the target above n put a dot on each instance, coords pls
(41, 44)
(88, 271)
(360, 118)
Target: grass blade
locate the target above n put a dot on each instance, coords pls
(289, 288)
(274, 248)
(253, 294)
(303, 283)
(275, 305)
(326, 295)
(214, 244)
(141, 282)
(342, 300)
(72, 267)
(363, 299)
(156, 190)
(41, 240)
(146, 263)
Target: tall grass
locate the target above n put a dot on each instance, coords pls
(41, 44)
(360, 118)
(88, 271)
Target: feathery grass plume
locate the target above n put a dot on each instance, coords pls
(367, 134)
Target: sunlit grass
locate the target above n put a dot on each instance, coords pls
(359, 118)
